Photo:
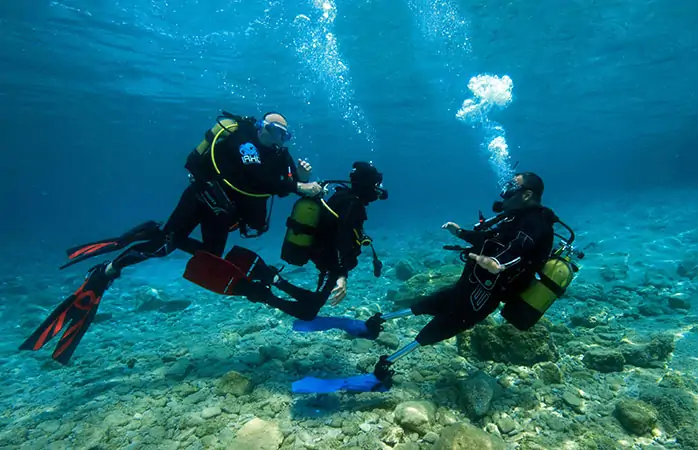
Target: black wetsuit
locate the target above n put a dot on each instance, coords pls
(522, 243)
(245, 163)
(335, 253)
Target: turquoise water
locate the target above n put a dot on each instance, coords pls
(102, 102)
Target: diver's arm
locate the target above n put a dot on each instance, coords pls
(475, 238)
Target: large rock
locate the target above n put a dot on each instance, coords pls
(257, 434)
(651, 355)
(152, 300)
(636, 416)
(462, 436)
(234, 383)
(415, 416)
(180, 369)
(477, 393)
(505, 343)
(403, 270)
(548, 373)
(677, 409)
(603, 360)
(425, 283)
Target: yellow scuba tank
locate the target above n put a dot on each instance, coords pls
(301, 229)
(225, 127)
(549, 284)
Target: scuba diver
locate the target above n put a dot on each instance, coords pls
(330, 234)
(509, 261)
(237, 167)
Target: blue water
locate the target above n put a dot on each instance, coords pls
(102, 101)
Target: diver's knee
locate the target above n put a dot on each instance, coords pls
(308, 314)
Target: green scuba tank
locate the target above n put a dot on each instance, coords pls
(550, 283)
(301, 227)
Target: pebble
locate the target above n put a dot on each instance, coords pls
(210, 412)
(506, 425)
(431, 437)
(50, 426)
(572, 399)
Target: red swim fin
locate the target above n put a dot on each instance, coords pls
(75, 314)
(86, 251)
(142, 232)
(213, 273)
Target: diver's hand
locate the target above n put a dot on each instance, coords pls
(339, 292)
(309, 189)
(304, 170)
(454, 228)
(489, 264)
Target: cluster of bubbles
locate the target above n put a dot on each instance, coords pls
(317, 48)
(313, 40)
(490, 91)
(440, 22)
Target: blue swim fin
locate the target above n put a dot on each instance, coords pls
(367, 329)
(358, 383)
(352, 326)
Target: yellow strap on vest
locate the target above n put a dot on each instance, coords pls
(358, 238)
(215, 166)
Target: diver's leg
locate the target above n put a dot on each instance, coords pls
(432, 304)
(305, 295)
(175, 234)
(307, 304)
(257, 292)
(455, 310)
(441, 327)
(436, 302)
(214, 232)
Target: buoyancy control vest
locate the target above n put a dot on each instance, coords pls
(524, 309)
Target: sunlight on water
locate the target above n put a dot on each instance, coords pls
(317, 47)
(490, 91)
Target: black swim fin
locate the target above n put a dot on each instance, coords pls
(257, 269)
(143, 232)
(75, 313)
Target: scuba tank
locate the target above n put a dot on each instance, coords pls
(199, 162)
(301, 229)
(302, 226)
(549, 284)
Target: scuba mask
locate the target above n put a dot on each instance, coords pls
(277, 131)
(509, 191)
(382, 192)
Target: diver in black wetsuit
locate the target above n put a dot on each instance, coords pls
(239, 165)
(501, 263)
(335, 251)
